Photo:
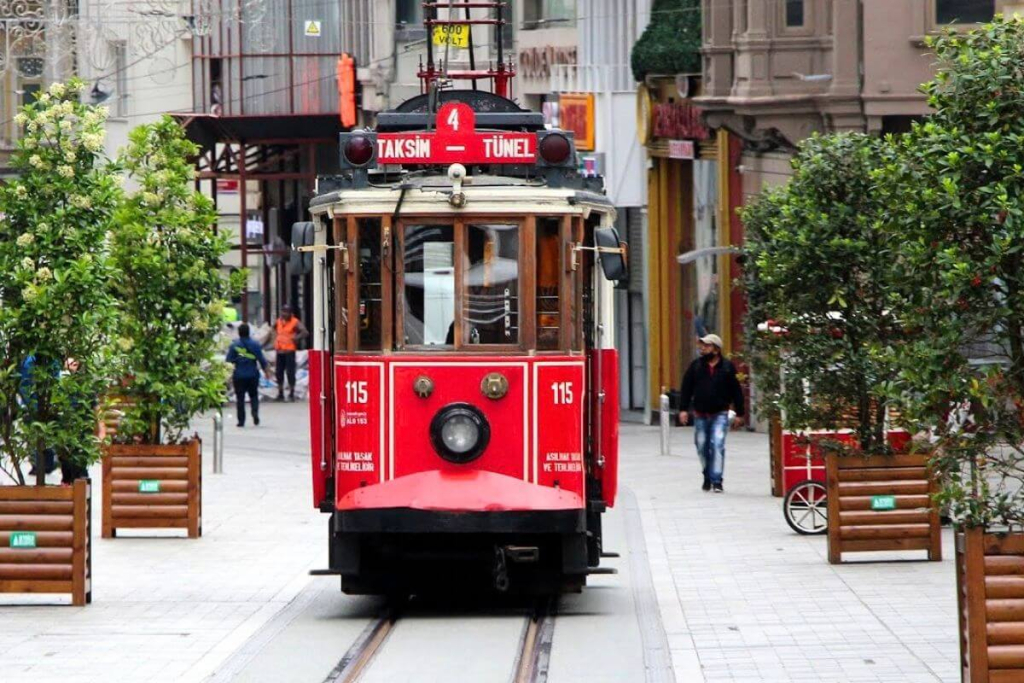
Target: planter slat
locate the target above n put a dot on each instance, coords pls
(36, 522)
(1000, 544)
(1002, 565)
(36, 507)
(1006, 657)
(38, 556)
(1006, 633)
(177, 503)
(884, 531)
(883, 473)
(1004, 587)
(35, 586)
(36, 493)
(889, 517)
(1004, 609)
(51, 572)
(902, 502)
(883, 488)
(44, 539)
(1005, 676)
(904, 482)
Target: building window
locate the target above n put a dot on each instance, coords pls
(119, 50)
(794, 13)
(548, 13)
(964, 11)
(409, 21)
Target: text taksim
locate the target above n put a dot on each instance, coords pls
(403, 148)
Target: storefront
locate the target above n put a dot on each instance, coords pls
(693, 191)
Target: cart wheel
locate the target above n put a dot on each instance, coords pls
(805, 508)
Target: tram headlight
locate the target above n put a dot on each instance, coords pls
(460, 433)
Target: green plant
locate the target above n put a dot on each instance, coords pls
(818, 278)
(957, 189)
(170, 288)
(56, 310)
(671, 42)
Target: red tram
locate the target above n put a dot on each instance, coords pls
(463, 391)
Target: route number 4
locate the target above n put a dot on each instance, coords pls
(453, 119)
(562, 393)
(355, 392)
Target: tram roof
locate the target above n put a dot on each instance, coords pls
(484, 194)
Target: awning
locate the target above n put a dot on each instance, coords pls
(209, 129)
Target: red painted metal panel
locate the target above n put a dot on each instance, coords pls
(317, 426)
(608, 425)
(558, 416)
(466, 490)
(458, 380)
(360, 401)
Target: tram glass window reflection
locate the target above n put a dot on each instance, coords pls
(371, 312)
(429, 285)
(548, 271)
(491, 302)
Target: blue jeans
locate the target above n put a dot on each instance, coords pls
(709, 435)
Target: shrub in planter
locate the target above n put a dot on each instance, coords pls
(171, 292)
(819, 272)
(963, 263)
(56, 317)
(671, 43)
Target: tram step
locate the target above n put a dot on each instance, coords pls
(324, 572)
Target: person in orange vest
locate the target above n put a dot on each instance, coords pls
(288, 330)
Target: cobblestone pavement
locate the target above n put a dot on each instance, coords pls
(743, 598)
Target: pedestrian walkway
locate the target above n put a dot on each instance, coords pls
(744, 598)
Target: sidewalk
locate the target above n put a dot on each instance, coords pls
(744, 598)
(172, 609)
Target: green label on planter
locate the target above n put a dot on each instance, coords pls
(149, 486)
(23, 539)
(883, 502)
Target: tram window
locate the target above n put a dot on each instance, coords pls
(429, 287)
(548, 270)
(371, 311)
(491, 302)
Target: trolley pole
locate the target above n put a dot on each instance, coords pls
(218, 443)
(665, 421)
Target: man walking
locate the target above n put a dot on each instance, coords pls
(710, 386)
(248, 358)
(287, 331)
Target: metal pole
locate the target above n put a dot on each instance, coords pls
(218, 443)
(665, 421)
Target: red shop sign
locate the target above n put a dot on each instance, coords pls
(456, 140)
(679, 120)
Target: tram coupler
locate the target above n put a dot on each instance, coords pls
(522, 554)
(500, 571)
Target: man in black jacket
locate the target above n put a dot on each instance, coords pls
(710, 386)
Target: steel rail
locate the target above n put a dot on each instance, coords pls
(535, 645)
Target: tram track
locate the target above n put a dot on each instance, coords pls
(530, 664)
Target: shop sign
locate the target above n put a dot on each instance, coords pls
(456, 141)
(678, 120)
(227, 186)
(23, 539)
(577, 114)
(536, 62)
(681, 149)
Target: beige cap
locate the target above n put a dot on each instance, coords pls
(712, 339)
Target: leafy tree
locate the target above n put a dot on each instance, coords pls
(56, 311)
(671, 42)
(170, 288)
(958, 187)
(818, 272)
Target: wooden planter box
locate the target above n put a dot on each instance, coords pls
(46, 540)
(775, 456)
(859, 492)
(990, 595)
(153, 487)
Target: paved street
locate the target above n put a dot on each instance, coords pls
(740, 597)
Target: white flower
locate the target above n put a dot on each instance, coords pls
(21, 191)
(57, 89)
(125, 343)
(44, 274)
(44, 98)
(21, 119)
(28, 264)
(25, 239)
(93, 141)
(32, 126)
(29, 293)
(65, 125)
(37, 161)
(76, 85)
(30, 143)
(81, 202)
(69, 156)
(151, 198)
(67, 107)
(65, 171)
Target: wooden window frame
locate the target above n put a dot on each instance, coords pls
(386, 276)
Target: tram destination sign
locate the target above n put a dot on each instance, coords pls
(456, 140)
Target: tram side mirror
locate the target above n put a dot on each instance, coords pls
(301, 262)
(613, 263)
